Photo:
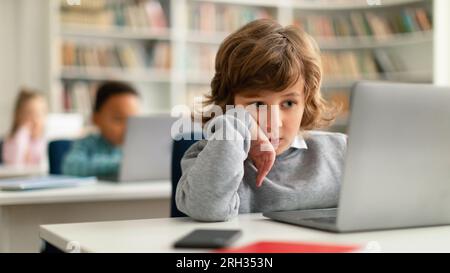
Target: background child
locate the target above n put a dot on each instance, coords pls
(25, 144)
(264, 64)
(100, 154)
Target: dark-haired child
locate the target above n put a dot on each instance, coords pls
(100, 154)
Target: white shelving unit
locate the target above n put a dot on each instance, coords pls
(442, 42)
(155, 85)
(347, 5)
(167, 88)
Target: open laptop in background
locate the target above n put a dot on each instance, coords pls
(147, 156)
(397, 171)
(147, 150)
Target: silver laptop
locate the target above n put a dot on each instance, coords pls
(397, 171)
(147, 151)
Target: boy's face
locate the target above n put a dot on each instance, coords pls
(112, 117)
(284, 111)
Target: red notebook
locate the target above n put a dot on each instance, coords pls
(289, 247)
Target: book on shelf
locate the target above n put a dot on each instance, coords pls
(137, 15)
(214, 17)
(124, 56)
(387, 62)
(348, 65)
(368, 23)
(423, 20)
(78, 96)
(160, 56)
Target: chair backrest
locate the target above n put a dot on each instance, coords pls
(57, 150)
(179, 148)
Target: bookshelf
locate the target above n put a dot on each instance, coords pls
(101, 40)
(166, 48)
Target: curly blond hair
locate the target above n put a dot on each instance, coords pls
(263, 55)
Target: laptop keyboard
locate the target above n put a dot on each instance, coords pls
(325, 220)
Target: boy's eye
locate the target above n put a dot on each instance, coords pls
(288, 104)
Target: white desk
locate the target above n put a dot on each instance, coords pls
(158, 235)
(21, 213)
(9, 171)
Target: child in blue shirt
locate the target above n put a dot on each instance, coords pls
(100, 154)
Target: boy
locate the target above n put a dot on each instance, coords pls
(100, 154)
(281, 166)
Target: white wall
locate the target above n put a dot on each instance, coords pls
(23, 52)
(8, 64)
(442, 42)
(33, 43)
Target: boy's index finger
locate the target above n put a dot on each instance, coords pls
(264, 170)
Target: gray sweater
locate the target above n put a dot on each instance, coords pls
(218, 180)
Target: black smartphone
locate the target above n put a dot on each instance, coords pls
(208, 238)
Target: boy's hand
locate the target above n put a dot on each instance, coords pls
(262, 153)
